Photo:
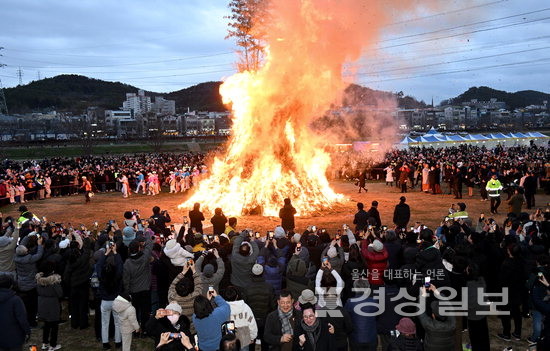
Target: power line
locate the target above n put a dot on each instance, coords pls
(461, 70)
(466, 25)
(454, 61)
(20, 76)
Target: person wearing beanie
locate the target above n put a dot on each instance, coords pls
(168, 320)
(243, 256)
(137, 277)
(297, 278)
(128, 321)
(128, 234)
(376, 258)
(279, 232)
(335, 255)
(407, 339)
(260, 297)
(209, 275)
(13, 321)
(25, 266)
(402, 213)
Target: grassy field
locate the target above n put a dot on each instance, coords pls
(43, 151)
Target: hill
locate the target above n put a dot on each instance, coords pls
(71, 92)
(513, 100)
(66, 93)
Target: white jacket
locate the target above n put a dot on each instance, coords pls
(245, 323)
(177, 254)
(127, 314)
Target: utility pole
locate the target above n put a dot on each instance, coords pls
(3, 104)
(38, 75)
(20, 76)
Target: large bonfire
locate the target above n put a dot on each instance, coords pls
(273, 153)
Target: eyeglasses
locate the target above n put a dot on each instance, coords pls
(310, 316)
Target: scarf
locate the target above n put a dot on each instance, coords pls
(286, 327)
(313, 332)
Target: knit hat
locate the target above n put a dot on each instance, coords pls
(332, 252)
(257, 269)
(307, 296)
(406, 326)
(173, 306)
(296, 238)
(377, 246)
(208, 270)
(128, 234)
(279, 232)
(21, 250)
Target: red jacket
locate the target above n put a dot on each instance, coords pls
(377, 262)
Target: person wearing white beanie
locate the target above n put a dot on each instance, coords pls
(177, 254)
(335, 256)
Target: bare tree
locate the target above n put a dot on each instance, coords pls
(81, 129)
(244, 26)
(156, 134)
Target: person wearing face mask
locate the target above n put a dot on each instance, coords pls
(169, 320)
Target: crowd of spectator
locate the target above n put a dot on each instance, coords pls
(146, 173)
(362, 287)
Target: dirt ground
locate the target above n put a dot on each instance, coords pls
(426, 208)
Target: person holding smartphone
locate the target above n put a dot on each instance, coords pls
(168, 326)
(208, 320)
(184, 289)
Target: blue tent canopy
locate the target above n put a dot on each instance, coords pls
(408, 140)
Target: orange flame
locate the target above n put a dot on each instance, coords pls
(273, 153)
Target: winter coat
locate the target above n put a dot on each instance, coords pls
(215, 279)
(126, 314)
(260, 297)
(26, 269)
(8, 242)
(154, 327)
(343, 326)
(49, 292)
(403, 343)
(325, 342)
(364, 327)
(208, 328)
(440, 336)
(13, 320)
(177, 254)
(297, 279)
(241, 266)
(361, 220)
(377, 263)
(107, 290)
(515, 204)
(245, 323)
(401, 215)
(287, 217)
(373, 213)
(429, 259)
(186, 302)
(273, 328)
(137, 269)
(218, 224)
(79, 271)
(512, 276)
(196, 218)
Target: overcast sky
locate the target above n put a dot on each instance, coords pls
(168, 45)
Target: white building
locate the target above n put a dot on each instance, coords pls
(138, 104)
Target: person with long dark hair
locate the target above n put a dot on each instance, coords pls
(208, 320)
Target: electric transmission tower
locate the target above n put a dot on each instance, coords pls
(20, 76)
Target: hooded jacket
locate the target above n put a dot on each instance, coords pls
(8, 242)
(245, 323)
(137, 269)
(177, 254)
(126, 314)
(26, 269)
(241, 266)
(13, 320)
(49, 292)
(296, 277)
